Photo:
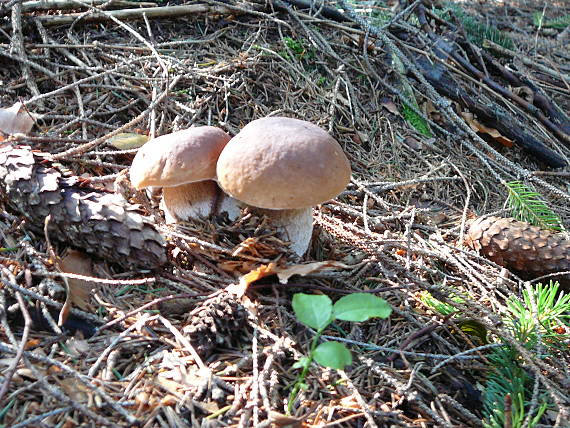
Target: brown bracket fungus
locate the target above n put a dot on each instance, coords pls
(183, 163)
(284, 166)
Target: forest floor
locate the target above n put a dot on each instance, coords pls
(175, 346)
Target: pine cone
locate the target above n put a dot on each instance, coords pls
(97, 222)
(526, 250)
(214, 323)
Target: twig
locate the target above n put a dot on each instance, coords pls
(39, 5)
(23, 341)
(185, 343)
(126, 14)
(149, 305)
(85, 380)
(98, 141)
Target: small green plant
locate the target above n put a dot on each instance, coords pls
(297, 48)
(471, 327)
(408, 112)
(551, 312)
(538, 315)
(418, 122)
(443, 308)
(560, 23)
(526, 205)
(318, 312)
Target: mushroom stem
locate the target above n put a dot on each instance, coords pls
(196, 200)
(188, 201)
(294, 225)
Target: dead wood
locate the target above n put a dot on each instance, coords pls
(43, 5)
(128, 14)
(98, 222)
(490, 114)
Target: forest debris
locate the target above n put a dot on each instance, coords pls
(491, 115)
(479, 127)
(283, 273)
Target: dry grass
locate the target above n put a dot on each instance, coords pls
(202, 358)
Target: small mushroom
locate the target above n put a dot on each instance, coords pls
(184, 164)
(284, 166)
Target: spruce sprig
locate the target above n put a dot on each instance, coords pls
(539, 315)
(526, 205)
(476, 31)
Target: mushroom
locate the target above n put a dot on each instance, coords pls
(184, 164)
(283, 167)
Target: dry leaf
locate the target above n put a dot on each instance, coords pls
(280, 420)
(252, 246)
(262, 271)
(389, 105)
(128, 140)
(78, 290)
(305, 269)
(15, 120)
(74, 390)
(479, 127)
(237, 266)
(283, 273)
(170, 386)
(412, 143)
(77, 347)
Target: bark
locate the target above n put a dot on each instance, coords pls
(97, 222)
(491, 115)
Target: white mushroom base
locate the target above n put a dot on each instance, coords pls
(197, 201)
(294, 225)
(203, 199)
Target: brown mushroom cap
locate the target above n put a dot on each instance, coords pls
(181, 157)
(282, 163)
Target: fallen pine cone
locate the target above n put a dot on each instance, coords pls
(97, 222)
(528, 251)
(215, 322)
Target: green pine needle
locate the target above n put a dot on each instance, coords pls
(476, 31)
(526, 205)
(507, 376)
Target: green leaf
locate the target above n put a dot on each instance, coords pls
(313, 310)
(302, 363)
(333, 355)
(474, 328)
(441, 307)
(418, 122)
(361, 307)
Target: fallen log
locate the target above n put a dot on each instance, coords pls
(491, 115)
